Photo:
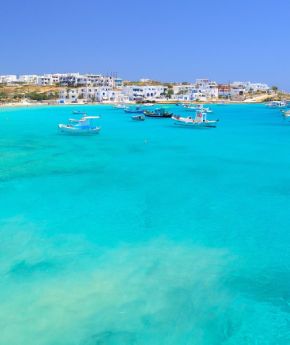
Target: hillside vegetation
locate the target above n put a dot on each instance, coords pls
(16, 93)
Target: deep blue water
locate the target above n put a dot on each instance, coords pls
(146, 233)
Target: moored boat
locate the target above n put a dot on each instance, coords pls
(277, 104)
(159, 113)
(84, 126)
(138, 118)
(120, 106)
(79, 112)
(195, 107)
(134, 110)
(286, 113)
(200, 121)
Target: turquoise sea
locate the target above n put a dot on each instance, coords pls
(146, 233)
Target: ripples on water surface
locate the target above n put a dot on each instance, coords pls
(146, 233)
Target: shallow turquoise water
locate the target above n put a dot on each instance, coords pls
(146, 233)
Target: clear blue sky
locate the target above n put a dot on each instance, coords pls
(168, 40)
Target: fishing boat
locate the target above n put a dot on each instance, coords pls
(195, 107)
(138, 117)
(188, 105)
(78, 112)
(84, 126)
(277, 104)
(148, 104)
(159, 113)
(120, 106)
(200, 121)
(134, 110)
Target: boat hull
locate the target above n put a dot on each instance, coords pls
(157, 116)
(76, 112)
(201, 125)
(138, 118)
(191, 123)
(134, 111)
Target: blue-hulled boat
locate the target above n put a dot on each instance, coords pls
(134, 110)
(84, 126)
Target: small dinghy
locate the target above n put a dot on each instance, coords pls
(138, 118)
(84, 126)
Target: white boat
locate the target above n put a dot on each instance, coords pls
(189, 106)
(83, 126)
(78, 112)
(120, 106)
(192, 107)
(286, 113)
(200, 121)
(277, 104)
(148, 104)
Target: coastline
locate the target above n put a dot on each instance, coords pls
(167, 102)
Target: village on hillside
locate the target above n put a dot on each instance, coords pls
(96, 88)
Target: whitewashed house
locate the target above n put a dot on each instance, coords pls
(208, 88)
(28, 78)
(8, 79)
(259, 87)
(45, 80)
(69, 79)
(188, 92)
(92, 94)
(250, 87)
(70, 95)
(148, 92)
(76, 79)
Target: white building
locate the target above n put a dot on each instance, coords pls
(148, 92)
(45, 80)
(207, 87)
(92, 94)
(181, 89)
(70, 95)
(76, 79)
(7, 79)
(70, 79)
(250, 87)
(237, 90)
(28, 78)
(202, 89)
